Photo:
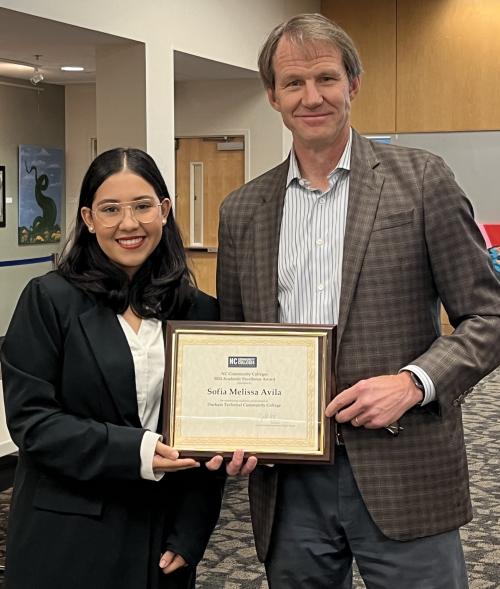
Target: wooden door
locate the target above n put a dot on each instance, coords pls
(220, 171)
(223, 171)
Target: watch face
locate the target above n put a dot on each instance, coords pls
(417, 382)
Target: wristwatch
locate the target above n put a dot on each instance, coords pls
(418, 383)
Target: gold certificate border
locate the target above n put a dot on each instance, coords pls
(311, 442)
(318, 340)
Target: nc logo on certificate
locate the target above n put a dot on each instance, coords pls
(243, 361)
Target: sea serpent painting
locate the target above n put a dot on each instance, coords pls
(41, 175)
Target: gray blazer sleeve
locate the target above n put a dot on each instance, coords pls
(467, 285)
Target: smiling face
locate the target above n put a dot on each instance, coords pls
(130, 242)
(313, 93)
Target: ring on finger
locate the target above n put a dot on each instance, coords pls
(356, 422)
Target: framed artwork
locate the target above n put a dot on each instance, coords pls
(2, 196)
(41, 178)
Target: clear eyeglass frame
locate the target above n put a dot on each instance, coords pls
(112, 214)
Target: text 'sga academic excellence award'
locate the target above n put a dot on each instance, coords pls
(259, 387)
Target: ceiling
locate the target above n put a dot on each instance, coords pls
(23, 37)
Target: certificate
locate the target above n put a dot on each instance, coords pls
(261, 387)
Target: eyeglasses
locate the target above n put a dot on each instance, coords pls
(111, 214)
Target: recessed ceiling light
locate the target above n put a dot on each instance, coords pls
(72, 68)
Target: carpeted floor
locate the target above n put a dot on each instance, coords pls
(230, 561)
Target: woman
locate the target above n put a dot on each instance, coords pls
(99, 501)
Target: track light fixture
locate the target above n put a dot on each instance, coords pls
(37, 76)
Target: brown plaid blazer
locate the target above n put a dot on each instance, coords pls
(410, 241)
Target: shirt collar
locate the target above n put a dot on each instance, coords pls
(343, 164)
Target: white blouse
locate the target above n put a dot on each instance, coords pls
(148, 353)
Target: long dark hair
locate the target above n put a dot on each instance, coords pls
(163, 283)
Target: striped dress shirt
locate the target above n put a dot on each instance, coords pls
(311, 250)
(311, 245)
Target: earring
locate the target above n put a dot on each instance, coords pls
(164, 221)
(91, 229)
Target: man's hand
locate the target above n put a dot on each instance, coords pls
(170, 562)
(375, 402)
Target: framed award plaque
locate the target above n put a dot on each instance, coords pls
(260, 387)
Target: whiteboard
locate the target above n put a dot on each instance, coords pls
(474, 158)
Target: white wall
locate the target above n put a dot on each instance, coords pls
(230, 31)
(80, 102)
(121, 97)
(31, 118)
(229, 106)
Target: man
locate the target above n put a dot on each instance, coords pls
(370, 237)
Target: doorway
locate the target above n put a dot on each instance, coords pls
(207, 170)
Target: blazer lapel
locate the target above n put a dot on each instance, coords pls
(365, 186)
(114, 359)
(266, 242)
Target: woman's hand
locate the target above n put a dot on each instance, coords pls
(215, 462)
(166, 459)
(239, 466)
(170, 562)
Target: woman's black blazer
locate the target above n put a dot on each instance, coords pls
(81, 516)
